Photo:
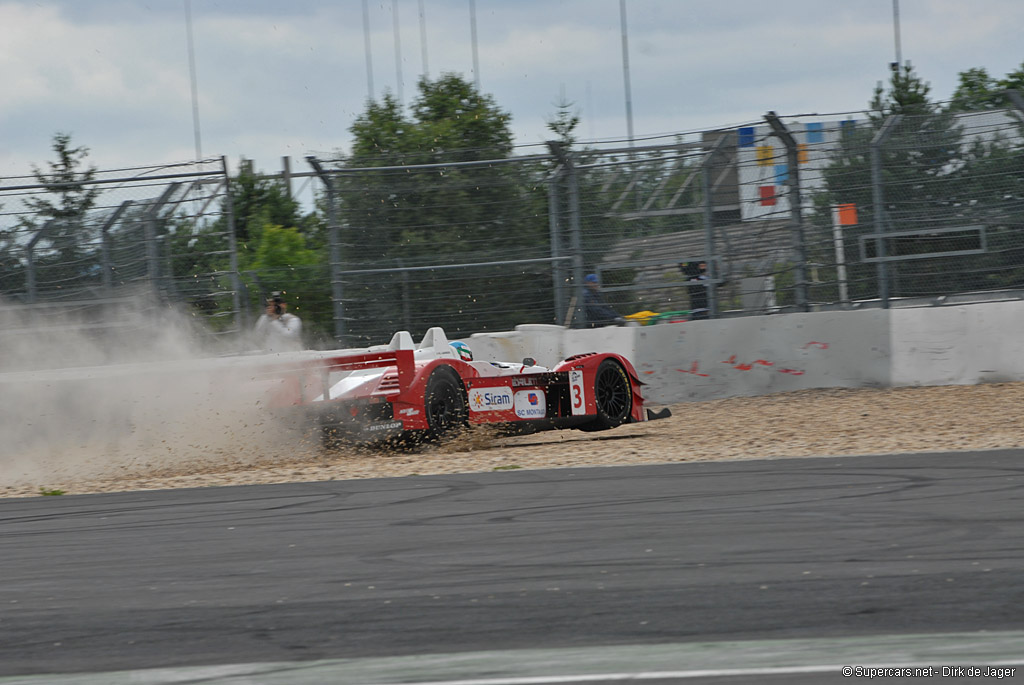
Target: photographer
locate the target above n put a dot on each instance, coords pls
(277, 330)
(697, 275)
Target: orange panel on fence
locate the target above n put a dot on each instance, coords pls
(847, 214)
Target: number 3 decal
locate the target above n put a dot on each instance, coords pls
(578, 393)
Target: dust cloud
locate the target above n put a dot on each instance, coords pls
(138, 391)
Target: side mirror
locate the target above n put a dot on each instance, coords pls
(529, 361)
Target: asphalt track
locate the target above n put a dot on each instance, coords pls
(725, 572)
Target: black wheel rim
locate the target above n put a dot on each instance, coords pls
(612, 392)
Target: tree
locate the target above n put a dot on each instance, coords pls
(977, 91)
(443, 214)
(277, 249)
(67, 180)
(1014, 80)
(258, 201)
(456, 118)
(907, 95)
(564, 123)
(923, 163)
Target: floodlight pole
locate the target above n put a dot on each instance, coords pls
(369, 54)
(625, 71)
(896, 33)
(473, 41)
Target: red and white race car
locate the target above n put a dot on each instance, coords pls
(435, 388)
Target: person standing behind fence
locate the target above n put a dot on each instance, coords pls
(697, 274)
(598, 312)
(277, 330)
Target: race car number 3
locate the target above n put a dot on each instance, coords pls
(577, 393)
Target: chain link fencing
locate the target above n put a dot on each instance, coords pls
(108, 249)
(789, 214)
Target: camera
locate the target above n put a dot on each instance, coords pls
(276, 300)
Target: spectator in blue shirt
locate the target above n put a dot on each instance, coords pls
(597, 311)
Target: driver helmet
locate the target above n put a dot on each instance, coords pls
(462, 349)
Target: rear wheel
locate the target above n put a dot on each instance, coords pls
(445, 404)
(613, 395)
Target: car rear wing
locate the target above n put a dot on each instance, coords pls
(402, 360)
(306, 379)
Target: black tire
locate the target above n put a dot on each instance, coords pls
(613, 394)
(445, 404)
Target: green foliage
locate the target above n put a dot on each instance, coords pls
(1014, 80)
(281, 260)
(51, 492)
(68, 201)
(977, 91)
(437, 215)
(564, 123)
(451, 121)
(279, 247)
(907, 95)
(258, 201)
(931, 178)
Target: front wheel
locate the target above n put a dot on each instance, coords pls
(613, 395)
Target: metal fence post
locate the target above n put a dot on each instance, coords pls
(404, 275)
(334, 250)
(31, 288)
(1016, 98)
(236, 279)
(878, 201)
(107, 268)
(709, 227)
(149, 228)
(579, 318)
(795, 207)
(554, 224)
(575, 240)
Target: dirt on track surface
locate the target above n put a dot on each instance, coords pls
(830, 422)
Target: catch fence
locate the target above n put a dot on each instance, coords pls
(789, 214)
(110, 248)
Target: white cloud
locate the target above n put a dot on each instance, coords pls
(289, 78)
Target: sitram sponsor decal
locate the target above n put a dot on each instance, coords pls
(530, 404)
(490, 399)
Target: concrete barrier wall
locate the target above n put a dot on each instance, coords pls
(702, 360)
(766, 354)
(964, 345)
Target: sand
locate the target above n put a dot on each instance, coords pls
(796, 424)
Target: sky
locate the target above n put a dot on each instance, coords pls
(277, 78)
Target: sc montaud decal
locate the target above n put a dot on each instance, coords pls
(530, 404)
(490, 399)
